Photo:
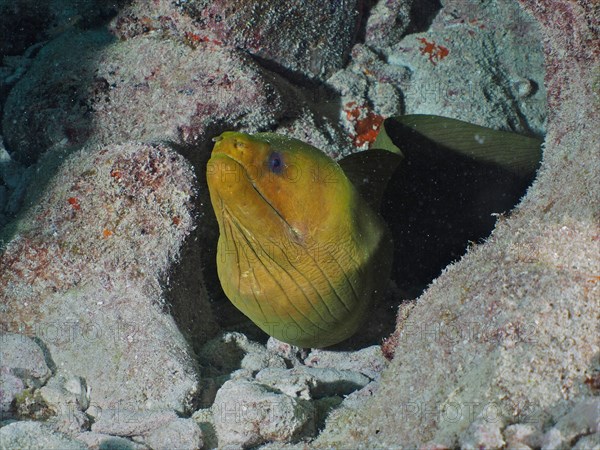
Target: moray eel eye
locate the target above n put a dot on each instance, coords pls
(275, 163)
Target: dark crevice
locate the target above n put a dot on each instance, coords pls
(438, 204)
(422, 14)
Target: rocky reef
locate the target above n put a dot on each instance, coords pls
(114, 331)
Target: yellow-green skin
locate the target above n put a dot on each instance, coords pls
(300, 252)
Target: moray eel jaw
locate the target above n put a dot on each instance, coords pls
(300, 253)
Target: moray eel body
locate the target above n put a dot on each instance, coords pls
(300, 252)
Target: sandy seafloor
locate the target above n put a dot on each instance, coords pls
(115, 331)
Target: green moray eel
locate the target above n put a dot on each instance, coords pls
(300, 251)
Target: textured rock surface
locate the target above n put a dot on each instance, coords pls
(22, 365)
(140, 89)
(388, 21)
(14, 179)
(181, 434)
(253, 394)
(12, 386)
(248, 414)
(475, 51)
(582, 420)
(308, 38)
(471, 64)
(499, 351)
(310, 382)
(127, 422)
(368, 361)
(24, 358)
(508, 334)
(81, 267)
(99, 441)
(26, 22)
(35, 435)
(232, 351)
(67, 397)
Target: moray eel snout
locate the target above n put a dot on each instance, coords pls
(299, 252)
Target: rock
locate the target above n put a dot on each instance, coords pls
(68, 397)
(205, 420)
(295, 383)
(591, 442)
(66, 389)
(82, 272)
(134, 90)
(17, 195)
(59, 116)
(522, 307)
(23, 367)
(69, 420)
(29, 435)
(370, 89)
(522, 436)
(369, 361)
(99, 441)
(295, 355)
(489, 89)
(28, 22)
(254, 362)
(312, 383)
(15, 179)
(29, 405)
(321, 132)
(3, 197)
(482, 434)
(24, 21)
(522, 304)
(388, 21)
(357, 398)
(552, 439)
(23, 358)
(232, 356)
(247, 414)
(11, 172)
(233, 350)
(306, 38)
(77, 387)
(331, 382)
(129, 422)
(582, 420)
(183, 434)
(12, 386)
(224, 353)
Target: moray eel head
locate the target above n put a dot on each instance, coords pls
(300, 252)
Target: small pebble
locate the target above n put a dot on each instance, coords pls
(247, 414)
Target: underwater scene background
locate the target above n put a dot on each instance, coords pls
(116, 330)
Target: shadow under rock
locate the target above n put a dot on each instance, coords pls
(438, 203)
(44, 165)
(193, 290)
